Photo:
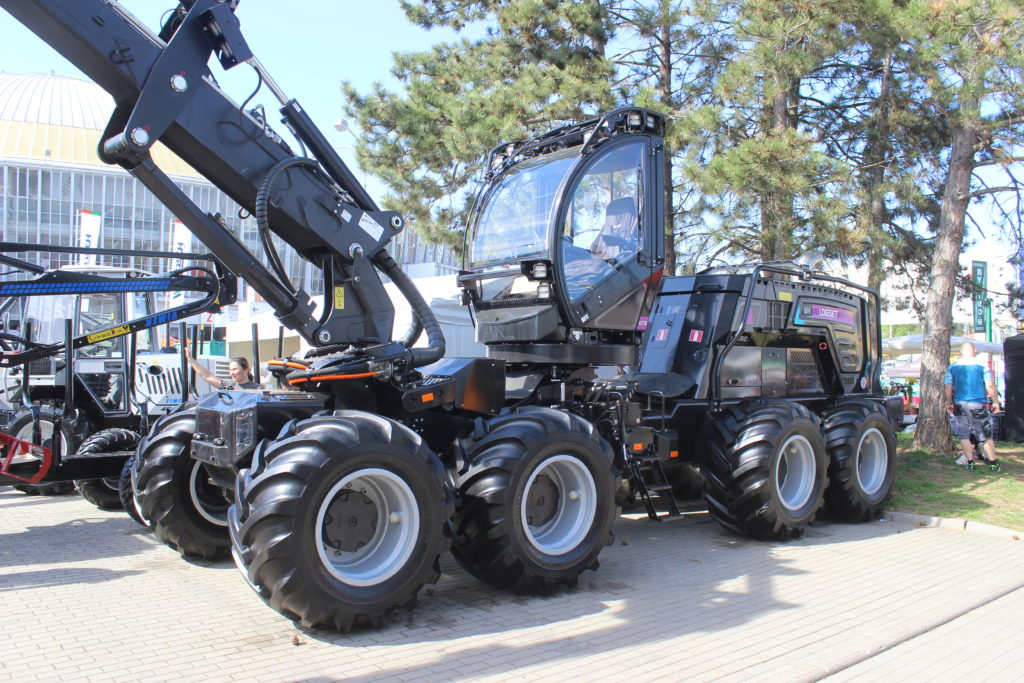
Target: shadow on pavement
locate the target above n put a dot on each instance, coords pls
(88, 538)
(60, 577)
(723, 580)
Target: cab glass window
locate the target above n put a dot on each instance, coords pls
(602, 227)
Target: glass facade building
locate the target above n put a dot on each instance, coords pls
(50, 177)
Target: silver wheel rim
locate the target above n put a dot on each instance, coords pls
(568, 519)
(45, 433)
(872, 461)
(206, 498)
(370, 547)
(795, 471)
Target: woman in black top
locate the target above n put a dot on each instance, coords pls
(238, 369)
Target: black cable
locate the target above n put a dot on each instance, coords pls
(263, 219)
(241, 109)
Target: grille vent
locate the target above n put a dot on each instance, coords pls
(802, 374)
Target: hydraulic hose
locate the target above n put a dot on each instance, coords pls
(262, 212)
(423, 315)
(412, 335)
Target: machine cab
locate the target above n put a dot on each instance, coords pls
(566, 242)
(100, 366)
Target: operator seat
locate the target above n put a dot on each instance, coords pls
(618, 236)
(616, 242)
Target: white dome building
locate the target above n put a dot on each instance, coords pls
(50, 174)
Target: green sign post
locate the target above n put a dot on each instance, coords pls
(979, 276)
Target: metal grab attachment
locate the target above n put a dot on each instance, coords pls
(13, 448)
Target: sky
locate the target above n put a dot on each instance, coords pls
(308, 51)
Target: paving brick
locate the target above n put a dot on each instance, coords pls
(89, 595)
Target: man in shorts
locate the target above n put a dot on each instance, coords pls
(967, 384)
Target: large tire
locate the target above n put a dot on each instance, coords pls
(342, 520)
(861, 447)
(538, 501)
(126, 492)
(104, 493)
(20, 427)
(765, 471)
(173, 491)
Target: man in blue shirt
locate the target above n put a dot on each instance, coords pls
(967, 384)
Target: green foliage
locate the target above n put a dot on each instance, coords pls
(542, 64)
(793, 124)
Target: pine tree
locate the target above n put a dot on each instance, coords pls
(542, 63)
(968, 54)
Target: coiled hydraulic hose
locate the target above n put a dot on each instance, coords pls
(423, 315)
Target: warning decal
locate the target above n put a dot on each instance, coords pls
(696, 335)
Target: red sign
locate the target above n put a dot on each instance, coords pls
(696, 335)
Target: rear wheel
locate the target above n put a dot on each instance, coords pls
(342, 520)
(21, 427)
(765, 472)
(862, 460)
(538, 501)
(175, 493)
(104, 493)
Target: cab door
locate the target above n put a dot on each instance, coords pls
(101, 365)
(609, 247)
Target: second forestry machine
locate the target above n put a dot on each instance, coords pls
(605, 380)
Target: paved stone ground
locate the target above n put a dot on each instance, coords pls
(90, 595)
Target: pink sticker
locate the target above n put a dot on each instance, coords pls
(696, 335)
(662, 335)
(642, 324)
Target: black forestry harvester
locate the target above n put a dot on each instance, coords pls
(347, 487)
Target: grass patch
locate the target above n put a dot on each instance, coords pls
(928, 484)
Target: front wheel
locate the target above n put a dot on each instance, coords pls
(765, 472)
(21, 427)
(186, 510)
(104, 493)
(538, 501)
(342, 520)
(862, 460)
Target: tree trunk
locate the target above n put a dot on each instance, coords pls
(932, 425)
(777, 207)
(876, 160)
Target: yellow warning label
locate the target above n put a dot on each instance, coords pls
(107, 334)
(785, 296)
(339, 298)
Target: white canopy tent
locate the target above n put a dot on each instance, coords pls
(913, 343)
(441, 292)
(903, 371)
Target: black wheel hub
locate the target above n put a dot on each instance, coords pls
(350, 522)
(208, 494)
(541, 501)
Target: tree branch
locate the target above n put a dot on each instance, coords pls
(989, 190)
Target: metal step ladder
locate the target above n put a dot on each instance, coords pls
(653, 485)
